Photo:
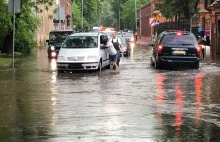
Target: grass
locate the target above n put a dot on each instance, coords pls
(6, 61)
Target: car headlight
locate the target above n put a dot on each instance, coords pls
(132, 39)
(52, 47)
(92, 58)
(132, 45)
(61, 58)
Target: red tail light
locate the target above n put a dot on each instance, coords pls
(160, 48)
(179, 33)
(198, 50)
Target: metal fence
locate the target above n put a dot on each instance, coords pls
(183, 24)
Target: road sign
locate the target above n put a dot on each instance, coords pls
(14, 4)
(156, 22)
(151, 22)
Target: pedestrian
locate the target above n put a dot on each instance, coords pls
(136, 35)
(202, 44)
(117, 45)
(113, 55)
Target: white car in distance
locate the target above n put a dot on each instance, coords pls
(83, 51)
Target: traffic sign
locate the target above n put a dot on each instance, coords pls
(14, 5)
(151, 22)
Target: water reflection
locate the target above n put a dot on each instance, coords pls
(160, 97)
(53, 64)
(179, 106)
(198, 86)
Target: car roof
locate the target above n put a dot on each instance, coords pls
(86, 34)
(176, 31)
(61, 31)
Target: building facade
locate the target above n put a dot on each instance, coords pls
(47, 18)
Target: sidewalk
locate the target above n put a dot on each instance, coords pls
(143, 40)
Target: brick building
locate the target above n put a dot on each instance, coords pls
(146, 12)
(67, 6)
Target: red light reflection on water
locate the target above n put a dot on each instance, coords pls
(160, 97)
(198, 85)
(179, 107)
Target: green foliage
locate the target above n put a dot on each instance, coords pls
(25, 33)
(5, 22)
(182, 8)
(91, 13)
(26, 24)
(128, 12)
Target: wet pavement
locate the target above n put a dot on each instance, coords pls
(138, 103)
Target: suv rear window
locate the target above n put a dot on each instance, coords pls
(178, 40)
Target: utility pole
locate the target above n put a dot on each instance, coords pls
(13, 44)
(119, 17)
(135, 13)
(82, 14)
(59, 16)
(140, 22)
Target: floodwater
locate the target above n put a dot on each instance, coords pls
(138, 103)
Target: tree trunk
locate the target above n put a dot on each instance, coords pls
(8, 44)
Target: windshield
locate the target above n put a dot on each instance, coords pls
(178, 40)
(81, 42)
(128, 35)
(123, 41)
(59, 36)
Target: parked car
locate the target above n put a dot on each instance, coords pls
(56, 38)
(108, 33)
(128, 36)
(126, 46)
(83, 51)
(175, 47)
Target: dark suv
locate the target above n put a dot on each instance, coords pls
(175, 47)
(56, 38)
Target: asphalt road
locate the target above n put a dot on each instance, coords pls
(137, 103)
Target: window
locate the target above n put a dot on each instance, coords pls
(59, 36)
(81, 42)
(178, 40)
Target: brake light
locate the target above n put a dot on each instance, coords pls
(198, 50)
(179, 33)
(160, 48)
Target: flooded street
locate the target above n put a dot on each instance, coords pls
(138, 103)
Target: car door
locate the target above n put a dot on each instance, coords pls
(104, 55)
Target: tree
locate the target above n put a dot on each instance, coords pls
(182, 8)
(128, 12)
(26, 25)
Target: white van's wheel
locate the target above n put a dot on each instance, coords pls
(100, 66)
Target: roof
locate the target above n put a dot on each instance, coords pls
(85, 34)
(175, 31)
(62, 31)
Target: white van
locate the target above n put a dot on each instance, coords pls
(83, 51)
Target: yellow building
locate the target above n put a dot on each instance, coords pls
(46, 24)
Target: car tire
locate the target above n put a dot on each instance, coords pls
(100, 66)
(157, 65)
(151, 62)
(60, 71)
(108, 66)
(196, 65)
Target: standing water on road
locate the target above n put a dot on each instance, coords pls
(138, 104)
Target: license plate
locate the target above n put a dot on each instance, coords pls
(179, 52)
